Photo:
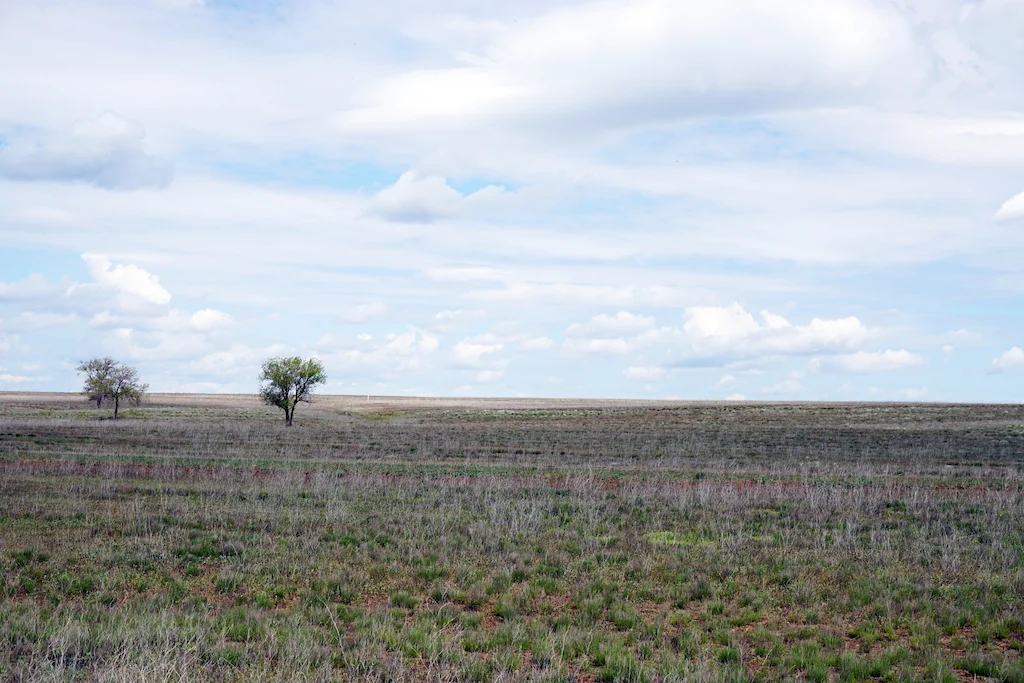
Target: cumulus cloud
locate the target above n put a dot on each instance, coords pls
(421, 198)
(106, 151)
(716, 335)
(128, 279)
(731, 331)
(417, 199)
(1008, 360)
(865, 362)
(1011, 209)
(364, 312)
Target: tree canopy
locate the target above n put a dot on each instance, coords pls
(106, 378)
(286, 382)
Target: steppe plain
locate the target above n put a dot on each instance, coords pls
(396, 539)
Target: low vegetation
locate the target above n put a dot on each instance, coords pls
(554, 542)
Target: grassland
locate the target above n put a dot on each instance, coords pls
(416, 539)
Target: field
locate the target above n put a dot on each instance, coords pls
(198, 538)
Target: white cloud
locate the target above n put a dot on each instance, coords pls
(31, 288)
(914, 394)
(472, 352)
(643, 372)
(864, 362)
(725, 382)
(19, 379)
(603, 325)
(209, 319)
(615, 346)
(105, 151)
(418, 199)
(732, 332)
(576, 294)
(451, 320)
(236, 359)
(536, 344)
(1011, 209)
(1009, 360)
(580, 64)
(390, 354)
(786, 386)
(363, 313)
(129, 279)
(961, 337)
(33, 320)
(489, 375)
(463, 274)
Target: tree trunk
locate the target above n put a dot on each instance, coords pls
(288, 414)
(99, 401)
(117, 402)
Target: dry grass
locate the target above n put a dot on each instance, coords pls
(423, 539)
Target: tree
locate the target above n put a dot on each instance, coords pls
(105, 378)
(97, 378)
(285, 382)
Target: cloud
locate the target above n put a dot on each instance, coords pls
(608, 347)
(576, 294)
(1011, 209)
(864, 362)
(419, 198)
(34, 320)
(463, 274)
(643, 372)
(536, 344)
(19, 379)
(106, 152)
(31, 288)
(1008, 360)
(387, 355)
(786, 386)
(715, 335)
(209, 319)
(621, 324)
(489, 375)
(474, 351)
(364, 312)
(725, 382)
(129, 279)
(625, 64)
(730, 332)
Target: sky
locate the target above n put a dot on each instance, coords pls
(791, 200)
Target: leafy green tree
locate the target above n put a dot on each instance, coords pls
(97, 378)
(286, 382)
(105, 378)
